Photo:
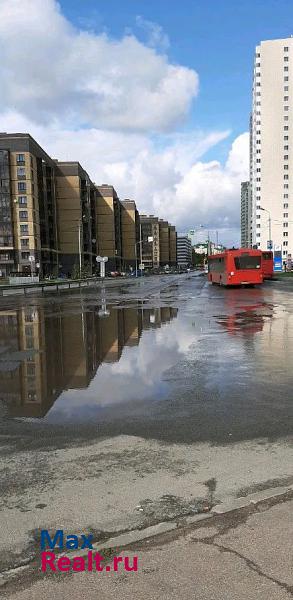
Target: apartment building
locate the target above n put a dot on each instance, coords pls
(246, 223)
(164, 243)
(130, 234)
(108, 215)
(76, 212)
(28, 232)
(150, 241)
(271, 162)
(184, 255)
(172, 246)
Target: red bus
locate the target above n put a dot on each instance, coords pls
(236, 267)
(267, 264)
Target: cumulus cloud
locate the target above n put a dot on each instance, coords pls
(156, 37)
(50, 70)
(113, 105)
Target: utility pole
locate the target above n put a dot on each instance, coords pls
(140, 244)
(79, 248)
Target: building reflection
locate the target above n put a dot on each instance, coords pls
(42, 355)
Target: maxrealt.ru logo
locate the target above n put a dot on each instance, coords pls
(91, 561)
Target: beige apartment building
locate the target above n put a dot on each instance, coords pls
(130, 234)
(28, 232)
(271, 159)
(108, 223)
(164, 243)
(76, 218)
(172, 246)
(149, 250)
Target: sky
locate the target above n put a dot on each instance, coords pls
(152, 96)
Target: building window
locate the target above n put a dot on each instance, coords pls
(258, 179)
(258, 235)
(20, 158)
(21, 185)
(285, 233)
(257, 216)
(285, 205)
(24, 243)
(286, 176)
(285, 243)
(258, 141)
(286, 148)
(286, 186)
(22, 200)
(286, 167)
(285, 215)
(286, 58)
(258, 189)
(23, 215)
(286, 138)
(23, 229)
(286, 48)
(286, 127)
(286, 118)
(286, 98)
(25, 255)
(285, 252)
(258, 170)
(285, 225)
(286, 78)
(21, 172)
(286, 156)
(286, 68)
(258, 160)
(286, 88)
(258, 225)
(286, 108)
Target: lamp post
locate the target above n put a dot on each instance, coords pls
(270, 227)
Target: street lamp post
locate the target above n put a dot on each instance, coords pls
(270, 226)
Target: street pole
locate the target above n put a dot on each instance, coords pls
(270, 227)
(140, 244)
(135, 253)
(79, 248)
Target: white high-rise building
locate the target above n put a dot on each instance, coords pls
(271, 151)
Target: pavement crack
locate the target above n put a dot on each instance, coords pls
(251, 565)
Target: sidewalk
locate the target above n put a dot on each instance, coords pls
(243, 555)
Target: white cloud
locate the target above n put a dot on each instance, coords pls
(171, 182)
(90, 98)
(157, 38)
(50, 70)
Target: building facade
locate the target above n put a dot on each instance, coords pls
(246, 224)
(108, 215)
(183, 250)
(271, 163)
(150, 241)
(76, 219)
(28, 220)
(164, 243)
(130, 234)
(172, 246)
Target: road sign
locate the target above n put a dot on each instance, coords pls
(102, 259)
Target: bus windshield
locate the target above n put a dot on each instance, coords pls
(245, 261)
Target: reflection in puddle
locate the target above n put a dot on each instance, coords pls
(247, 321)
(41, 355)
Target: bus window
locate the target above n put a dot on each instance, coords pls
(245, 261)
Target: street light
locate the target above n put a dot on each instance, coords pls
(270, 226)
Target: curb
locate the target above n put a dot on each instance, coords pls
(137, 535)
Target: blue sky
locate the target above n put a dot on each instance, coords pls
(151, 96)
(217, 39)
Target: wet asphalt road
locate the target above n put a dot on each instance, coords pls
(140, 403)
